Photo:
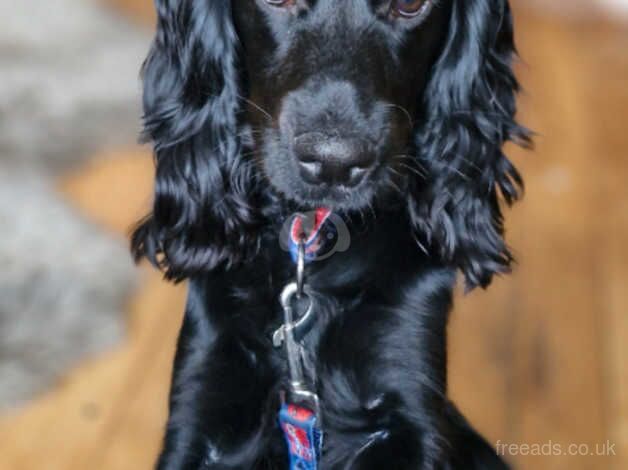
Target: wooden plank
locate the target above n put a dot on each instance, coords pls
(558, 392)
(481, 354)
(608, 53)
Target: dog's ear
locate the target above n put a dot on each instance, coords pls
(469, 115)
(202, 215)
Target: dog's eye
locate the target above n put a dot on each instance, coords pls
(408, 8)
(280, 3)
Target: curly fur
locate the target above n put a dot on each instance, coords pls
(471, 108)
(224, 184)
(203, 212)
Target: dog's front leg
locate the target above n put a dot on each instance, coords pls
(382, 437)
(219, 392)
(383, 392)
(385, 411)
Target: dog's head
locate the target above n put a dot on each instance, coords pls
(333, 89)
(345, 104)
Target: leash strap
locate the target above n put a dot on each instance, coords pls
(304, 438)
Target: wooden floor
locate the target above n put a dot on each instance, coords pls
(538, 359)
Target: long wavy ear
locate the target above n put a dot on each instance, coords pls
(202, 215)
(469, 115)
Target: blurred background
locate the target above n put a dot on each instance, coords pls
(87, 340)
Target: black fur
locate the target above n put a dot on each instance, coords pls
(230, 86)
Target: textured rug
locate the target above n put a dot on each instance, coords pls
(69, 87)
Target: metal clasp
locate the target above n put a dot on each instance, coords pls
(293, 330)
(298, 327)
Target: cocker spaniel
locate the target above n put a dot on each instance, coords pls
(383, 119)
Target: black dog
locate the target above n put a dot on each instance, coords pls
(391, 113)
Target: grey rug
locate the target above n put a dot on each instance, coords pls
(68, 87)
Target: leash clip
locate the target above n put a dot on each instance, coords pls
(291, 333)
(298, 328)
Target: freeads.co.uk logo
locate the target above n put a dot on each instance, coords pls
(321, 232)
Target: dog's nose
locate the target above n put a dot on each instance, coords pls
(333, 160)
